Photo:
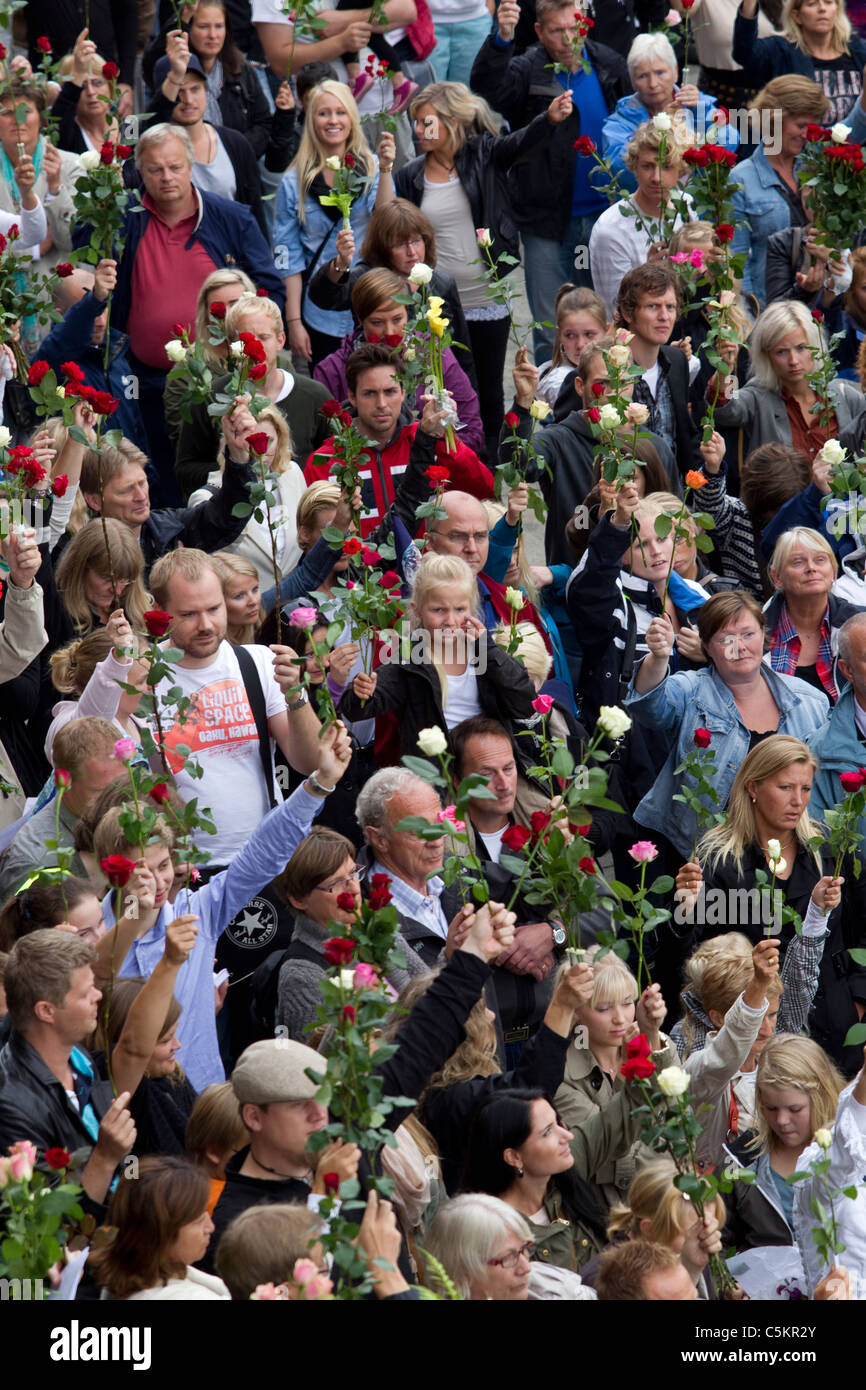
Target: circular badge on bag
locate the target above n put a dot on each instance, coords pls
(255, 925)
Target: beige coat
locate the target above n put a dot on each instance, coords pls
(22, 637)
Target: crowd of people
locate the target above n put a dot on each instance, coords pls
(246, 479)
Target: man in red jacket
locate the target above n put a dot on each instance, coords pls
(379, 401)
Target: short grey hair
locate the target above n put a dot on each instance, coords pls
(856, 620)
(466, 1232)
(159, 135)
(651, 46)
(371, 806)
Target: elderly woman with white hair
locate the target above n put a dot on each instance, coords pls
(486, 1249)
(652, 67)
(775, 405)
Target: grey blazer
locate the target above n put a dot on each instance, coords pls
(763, 414)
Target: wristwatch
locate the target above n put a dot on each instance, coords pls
(303, 699)
(317, 787)
(559, 937)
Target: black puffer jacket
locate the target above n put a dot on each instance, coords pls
(482, 163)
(521, 89)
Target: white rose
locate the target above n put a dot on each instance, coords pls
(622, 335)
(60, 391)
(432, 741)
(609, 417)
(673, 1081)
(832, 453)
(774, 849)
(409, 354)
(613, 722)
(779, 866)
(483, 237)
(823, 1137)
(637, 414)
(539, 410)
(726, 299)
(514, 598)
(420, 274)
(175, 350)
(662, 121)
(618, 355)
(89, 160)
(334, 162)
(237, 349)
(347, 977)
(5, 437)
(839, 133)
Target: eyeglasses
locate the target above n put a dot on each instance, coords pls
(410, 245)
(343, 885)
(510, 1260)
(464, 537)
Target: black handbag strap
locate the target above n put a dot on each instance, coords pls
(256, 697)
(311, 264)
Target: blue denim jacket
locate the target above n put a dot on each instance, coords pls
(693, 700)
(761, 208)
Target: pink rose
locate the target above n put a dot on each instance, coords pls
(271, 1293)
(304, 1271)
(25, 1147)
(319, 1287)
(450, 814)
(21, 1167)
(697, 258)
(643, 851)
(124, 749)
(543, 703)
(679, 257)
(303, 617)
(365, 977)
(5, 1173)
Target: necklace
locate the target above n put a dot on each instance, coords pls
(449, 168)
(275, 1171)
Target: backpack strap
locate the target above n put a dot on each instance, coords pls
(256, 697)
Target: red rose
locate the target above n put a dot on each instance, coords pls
(13, 232)
(124, 151)
(253, 349)
(390, 580)
(117, 869)
(512, 420)
(702, 738)
(56, 1158)
(43, 44)
(331, 1183)
(515, 837)
(687, 4)
(259, 443)
(59, 486)
(339, 950)
(352, 546)
(816, 132)
(721, 115)
(2, 52)
(159, 793)
(439, 474)
(345, 417)
(584, 145)
(110, 71)
(638, 1069)
(724, 231)
(258, 371)
(217, 310)
(106, 154)
(599, 388)
(349, 161)
(177, 330)
(262, 293)
(330, 409)
(593, 414)
(102, 402)
(638, 1046)
(380, 891)
(539, 821)
(851, 782)
(716, 154)
(587, 865)
(62, 779)
(346, 902)
(349, 1013)
(72, 370)
(370, 557)
(817, 315)
(37, 371)
(63, 268)
(157, 622)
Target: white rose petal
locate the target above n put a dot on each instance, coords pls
(5, 437)
(432, 741)
(539, 410)
(409, 354)
(609, 417)
(347, 977)
(673, 1081)
(839, 133)
(662, 121)
(778, 865)
(832, 452)
(89, 160)
(618, 355)
(774, 849)
(175, 350)
(514, 598)
(334, 162)
(823, 1137)
(726, 299)
(613, 722)
(61, 392)
(237, 349)
(637, 414)
(420, 274)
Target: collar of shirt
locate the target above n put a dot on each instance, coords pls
(193, 219)
(420, 907)
(860, 716)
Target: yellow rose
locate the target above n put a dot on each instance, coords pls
(435, 301)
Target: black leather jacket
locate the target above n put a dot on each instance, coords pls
(34, 1104)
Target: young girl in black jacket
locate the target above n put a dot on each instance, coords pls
(453, 669)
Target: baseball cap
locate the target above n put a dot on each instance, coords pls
(163, 67)
(273, 1069)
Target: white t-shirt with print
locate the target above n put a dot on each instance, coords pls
(220, 731)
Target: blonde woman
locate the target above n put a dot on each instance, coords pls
(223, 288)
(775, 405)
(243, 596)
(769, 801)
(81, 109)
(459, 183)
(816, 41)
(91, 588)
(305, 232)
(286, 482)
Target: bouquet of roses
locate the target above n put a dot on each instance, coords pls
(834, 170)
